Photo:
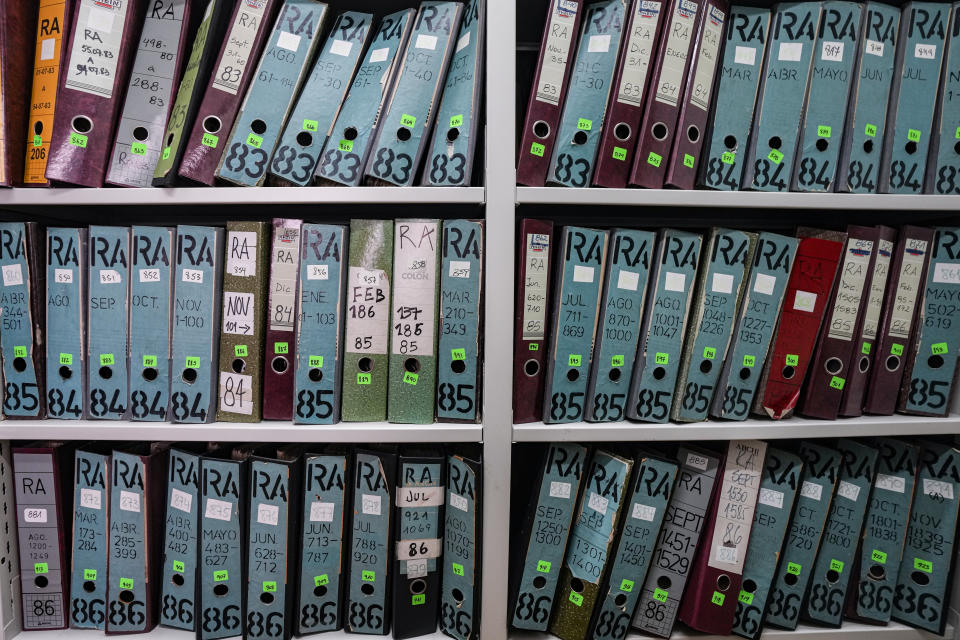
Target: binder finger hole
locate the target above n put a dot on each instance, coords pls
(620, 600)
(832, 576)
(573, 375)
(66, 372)
(910, 147)
(20, 364)
(935, 362)
(576, 584)
(82, 124)
(920, 578)
(730, 142)
(279, 364)
(790, 579)
(693, 133)
(125, 596)
(539, 582)
(868, 146)
(365, 365)
(141, 133)
(418, 586)
(775, 142)
(723, 582)
(238, 365)
(41, 581)
(403, 134)
(177, 579)
(189, 376)
(150, 374)
(892, 363)
(788, 372)
(320, 591)
(169, 139)
(89, 586)
(37, 128)
(258, 126)
(412, 365)
(822, 144)
(664, 582)
(458, 366)
(659, 131)
(304, 139)
(212, 124)
(659, 373)
(350, 133)
(541, 129)
(833, 365)
(705, 366)
(956, 148)
(877, 572)
(457, 595)
(315, 375)
(367, 589)
(220, 590)
(452, 134)
(580, 137)
(864, 364)
(531, 368)
(106, 373)
(614, 374)
(266, 597)
(745, 373)
(622, 131)
(749, 585)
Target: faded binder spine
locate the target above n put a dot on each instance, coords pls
(531, 318)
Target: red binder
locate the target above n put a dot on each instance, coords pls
(908, 274)
(91, 89)
(549, 91)
(844, 320)
(804, 303)
(279, 365)
(674, 53)
(531, 318)
(629, 94)
(18, 20)
(698, 97)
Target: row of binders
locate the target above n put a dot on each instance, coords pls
(310, 322)
(675, 325)
(735, 538)
(254, 540)
(806, 96)
(242, 92)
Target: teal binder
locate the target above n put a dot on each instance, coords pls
(66, 322)
(944, 162)
(91, 537)
(108, 313)
(181, 531)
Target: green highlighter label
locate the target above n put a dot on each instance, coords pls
(878, 556)
(411, 378)
(794, 568)
(543, 566)
(149, 361)
(457, 569)
(865, 348)
(836, 565)
(220, 576)
(896, 349)
(749, 361)
(408, 120)
(745, 597)
(126, 583)
(138, 149)
(345, 145)
(537, 149)
(193, 363)
(709, 353)
(576, 598)
(254, 140)
(939, 348)
(626, 585)
(209, 140)
(89, 574)
(823, 131)
(688, 160)
(654, 159)
(913, 135)
(78, 140)
(311, 125)
(584, 125)
(574, 360)
(662, 358)
(871, 130)
(775, 156)
(837, 383)
(240, 351)
(281, 348)
(315, 362)
(38, 141)
(269, 586)
(456, 121)
(40, 567)
(319, 581)
(166, 153)
(418, 598)
(534, 346)
(617, 361)
(363, 378)
(728, 157)
(923, 565)
(660, 595)
(368, 576)
(718, 598)
(106, 359)
(458, 354)
(619, 153)
(19, 352)
(66, 358)
(179, 566)
(793, 360)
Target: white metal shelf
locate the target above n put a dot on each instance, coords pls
(849, 631)
(754, 428)
(267, 431)
(164, 633)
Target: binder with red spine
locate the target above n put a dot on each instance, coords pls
(531, 318)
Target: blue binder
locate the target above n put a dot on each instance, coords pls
(462, 537)
(944, 162)
(181, 533)
(108, 312)
(66, 322)
(91, 535)
(22, 375)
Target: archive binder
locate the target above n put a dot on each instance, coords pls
(367, 339)
(584, 110)
(753, 331)
(319, 351)
(66, 322)
(137, 491)
(181, 531)
(454, 140)
(530, 319)
(621, 309)
(203, 52)
(631, 82)
(795, 568)
(941, 174)
(727, 144)
(151, 316)
(858, 170)
(592, 538)
(931, 361)
(10, 610)
(368, 597)
(108, 317)
(462, 546)
(241, 337)
(719, 290)
(684, 521)
(913, 96)
(778, 490)
(461, 287)
(825, 109)
(283, 295)
(576, 304)
(359, 115)
(324, 506)
(664, 325)
(43, 479)
(155, 74)
(649, 493)
(831, 570)
(16, 22)
(309, 124)
(534, 583)
(412, 368)
(281, 72)
(783, 92)
(248, 32)
(103, 38)
(420, 508)
(21, 340)
(196, 324)
(91, 536)
(549, 90)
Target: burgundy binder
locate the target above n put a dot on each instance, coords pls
(908, 275)
(91, 89)
(698, 95)
(629, 93)
(844, 317)
(228, 86)
(18, 19)
(674, 52)
(531, 318)
(549, 90)
(278, 379)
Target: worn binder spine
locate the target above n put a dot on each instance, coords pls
(322, 300)
(942, 165)
(91, 536)
(109, 321)
(531, 318)
(66, 322)
(11, 618)
(463, 547)
(461, 287)
(621, 309)
(16, 37)
(181, 532)
(283, 294)
(196, 324)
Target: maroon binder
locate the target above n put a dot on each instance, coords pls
(674, 52)
(684, 164)
(91, 89)
(629, 94)
(18, 20)
(908, 275)
(549, 91)
(278, 377)
(531, 318)
(250, 26)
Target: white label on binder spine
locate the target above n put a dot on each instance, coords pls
(535, 286)
(218, 509)
(764, 284)
(636, 64)
(831, 51)
(463, 42)
(790, 51)
(181, 500)
(419, 496)
(459, 269)
(908, 286)
(560, 39)
(560, 490)
(874, 48)
(130, 501)
(738, 499)
(722, 283)
(242, 254)
(413, 321)
(341, 48)
(745, 55)
(191, 275)
(890, 483)
(96, 47)
(598, 44)
(417, 568)
(268, 514)
(90, 498)
(422, 549)
(241, 37)
(848, 490)
(771, 498)
(707, 59)
(288, 41)
(598, 503)
(850, 289)
(628, 280)
(805, 301)
(321, 511)
(678, 48)
(318, 272)
(149, 275)
(238, 313)
(47, 48)
(12, 275)
(458, 502)
(675, 281)
(34, 515)
(878, 288)
(937, 489)
(379, 55)
(370, 504)
(644, 512)
(370, 289)
(811, 490)
(696, 461)
(925, 51)
(63, 276)
(425, 41)
(946, 273)
(236, 393)
(582, 273)
(110, 276)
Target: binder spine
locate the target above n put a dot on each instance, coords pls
(531, 318)
(319, 357)
(942, 165)
(151, 289)
(196, 324)
(11, 618)
(460, 591)
(622, 308)
(91, 536)
(280, 348)
(181, 533)
(461, 285)
(66, 322)
(109, 317)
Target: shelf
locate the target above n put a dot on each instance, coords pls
(241, 195)
(735, 199)
(849, 631)
(750, 429)
(348, 432)
(163, 633)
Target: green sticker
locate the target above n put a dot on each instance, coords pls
(749, 361)
(254, 140)
(688, 160)
(37, 141)
(745, 597)
(956, 135)
(939, 348)
(457, 569)
(456, 121)
(166, 153)
(66, 358)
(654, 159)
(281, 347)
(626, 585)
(411, 378)
(871, 130)
(574, 360)
(923, 565)
(270, 586)
(794, 568)
(149, 361)
(78, 140)
(368, 576)
(836, 565)
(617, 361)
(106, 359)
(709, 353)
(311, 125)
(315, 362)
(126, 583)
(418, 598)
(865, 348)
(40, 567)
(619, 153)
(823, 131)
(193, 363)
(458, 354)
(728, 157)
(240, 351)
(408, 120)
(363, 378)
(718, 598)
(793, 360)
(836, 382)
(178, 566)
(576, 598)
(584, 125)
(878, 556)
(537, 149)
(659, 595)
(534, 346)
(662, 358)
(209, 140)
(21, 352)
(913, 135)
(138, 149)
(89, 574)
(345, 145)
(543, 566)
(896, 349)
(775, 156)
(319, 581)
(220, 576)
